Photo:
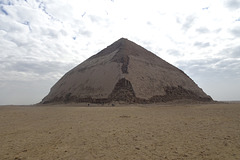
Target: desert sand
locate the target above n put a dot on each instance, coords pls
(198, 131)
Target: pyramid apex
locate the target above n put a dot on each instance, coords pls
(123, 39)
(117, 45)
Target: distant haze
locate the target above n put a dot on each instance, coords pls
(41, 40)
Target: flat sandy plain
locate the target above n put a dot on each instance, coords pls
(206, 131)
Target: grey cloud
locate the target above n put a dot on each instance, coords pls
(222, 68)
(199, 68)
(174, 52)
(98, 20)
(18, 39)
(188, 23)
(146, 42)
(231, 52)
(85, 32)
(11, 26)
(149, 23)
(219, 77)
(236, 52)
(201, 62)
(6, 2)
(37, 67)
(201, 44)
(94, 18)
(50, 32)
(202, 30)
(236, 32)
(63, 32)
(229, 64)
(218, 30)
(233, 4)
(178, 20)
(9, 2)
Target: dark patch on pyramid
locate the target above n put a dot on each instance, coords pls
(123, 91)
(124, 71)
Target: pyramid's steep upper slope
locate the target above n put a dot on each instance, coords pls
(124, 71)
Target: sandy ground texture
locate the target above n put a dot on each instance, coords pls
(128, 132)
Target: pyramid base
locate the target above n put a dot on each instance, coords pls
(123, 92)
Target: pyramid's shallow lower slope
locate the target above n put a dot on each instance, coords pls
(124, 71)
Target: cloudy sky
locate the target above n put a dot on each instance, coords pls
(40, 40)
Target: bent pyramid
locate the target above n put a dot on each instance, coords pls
(124, 71)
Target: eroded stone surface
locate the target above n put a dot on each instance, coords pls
(124, 71)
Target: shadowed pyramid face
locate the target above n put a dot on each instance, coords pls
(124, 71)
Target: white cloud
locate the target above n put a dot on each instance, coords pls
(42, 39)
(233, 4)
